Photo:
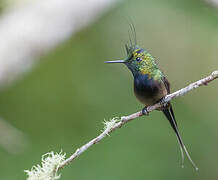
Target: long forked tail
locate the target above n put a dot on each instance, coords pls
(168, 112)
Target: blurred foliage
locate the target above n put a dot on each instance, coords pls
(61, 104)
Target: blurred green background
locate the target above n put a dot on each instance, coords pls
(63, 101)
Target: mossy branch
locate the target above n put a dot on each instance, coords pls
(116, 123)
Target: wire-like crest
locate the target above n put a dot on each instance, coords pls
(132, 38)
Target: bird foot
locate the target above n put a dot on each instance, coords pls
(145, 111)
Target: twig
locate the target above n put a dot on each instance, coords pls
(213, 3)
(112, 125)
(32, 29)
(53, 162)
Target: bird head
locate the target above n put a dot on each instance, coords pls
(138, 60)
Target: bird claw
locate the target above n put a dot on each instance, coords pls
(145, 111)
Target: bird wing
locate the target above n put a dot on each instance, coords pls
(166, 83)
(167, 86)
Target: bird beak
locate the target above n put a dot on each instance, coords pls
(117, 61)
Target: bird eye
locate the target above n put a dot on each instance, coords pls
(138, 59)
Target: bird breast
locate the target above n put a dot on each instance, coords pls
(147, 90)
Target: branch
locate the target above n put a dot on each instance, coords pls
(125, 119)
(213, 3)
(116, 123)
(32, 29)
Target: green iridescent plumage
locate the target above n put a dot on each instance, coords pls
(151, 86)
(141, 61)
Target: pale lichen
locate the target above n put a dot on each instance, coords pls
(215, 74)
(109, 125)
(48, 170)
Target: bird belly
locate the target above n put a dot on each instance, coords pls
(148, 91)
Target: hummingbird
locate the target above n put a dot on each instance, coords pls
(151, 86)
